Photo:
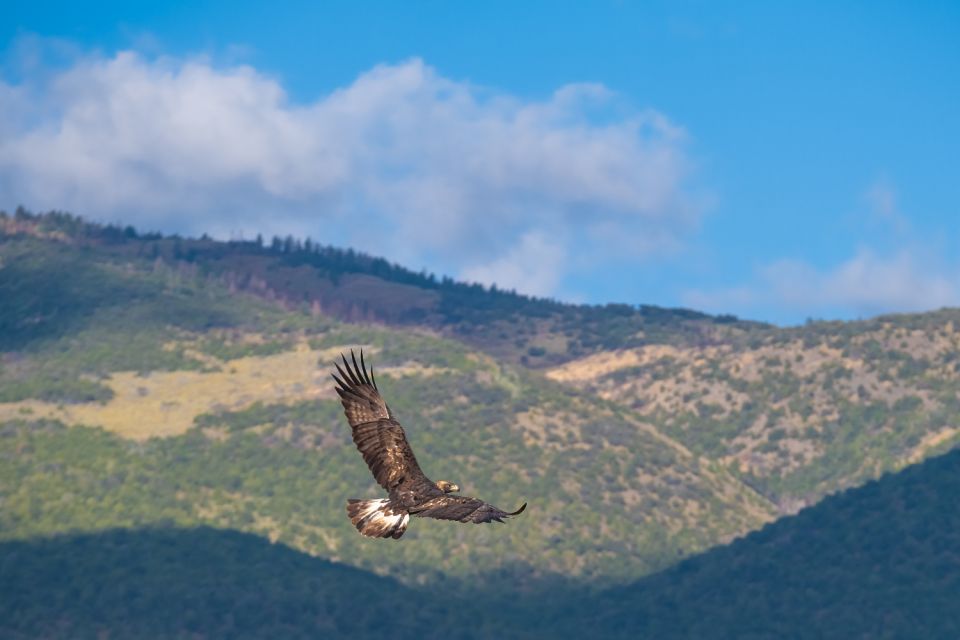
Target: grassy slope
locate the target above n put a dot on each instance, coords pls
(647, 474)
(610, 497)
(879, 561)
(72, 314)
(798, 412)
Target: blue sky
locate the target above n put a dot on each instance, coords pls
(775, 160)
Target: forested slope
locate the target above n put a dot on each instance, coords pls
(135, 392)
(797, 412)
(153, 381)
(880, 561)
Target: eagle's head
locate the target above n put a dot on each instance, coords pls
(447, 487)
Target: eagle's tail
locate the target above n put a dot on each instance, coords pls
(377, 518)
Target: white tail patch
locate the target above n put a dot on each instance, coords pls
(377, 518)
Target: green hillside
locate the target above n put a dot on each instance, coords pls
(191, 583)
(161, 381)
(355, 287)
(879, 561)
(137, 392)
(800, 412)
(797, 412)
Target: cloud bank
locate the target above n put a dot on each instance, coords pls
(902, 270)
(403, 162)
(864, 285)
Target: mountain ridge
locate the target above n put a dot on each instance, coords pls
(353, 287)
(130, 362)
(253, 438)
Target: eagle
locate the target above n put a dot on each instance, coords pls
(385, 449)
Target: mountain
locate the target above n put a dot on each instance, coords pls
(879, 561)
(150, 380)
(797, 413)
(138, 392)
(355, 287)
(167, 582)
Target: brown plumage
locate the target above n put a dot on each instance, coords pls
(385, 449)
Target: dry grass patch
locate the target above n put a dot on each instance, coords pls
(930, 441)
(607, 362)
(166, 403)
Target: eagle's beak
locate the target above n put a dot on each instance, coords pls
(446, 486)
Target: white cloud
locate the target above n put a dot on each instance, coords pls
(533, 266)
(897, 268)
(864, 285)
(403, 162)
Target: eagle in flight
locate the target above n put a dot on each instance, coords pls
(385, 449)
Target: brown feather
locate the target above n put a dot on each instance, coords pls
(379, 437)
(463, 509)
(384, 447)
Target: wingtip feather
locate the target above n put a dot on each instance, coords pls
(346, 371)
(353, 372)
(518, 511)
(363, 366)
(356, 367)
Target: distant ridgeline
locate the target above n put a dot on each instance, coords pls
(880, 561)
(353, 286)
(174, 461)
(137, 390)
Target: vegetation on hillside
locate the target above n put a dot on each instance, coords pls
(355, 287)
(141, 347)
(609, 500)
(152, 381)
(71, 315)
(798, 412)
(875, 562)
(173, 583)
(879, 561)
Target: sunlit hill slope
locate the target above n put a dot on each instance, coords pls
(139, 390)
(149, 380)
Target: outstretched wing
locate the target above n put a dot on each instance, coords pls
(378, 436)
(462, 509)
